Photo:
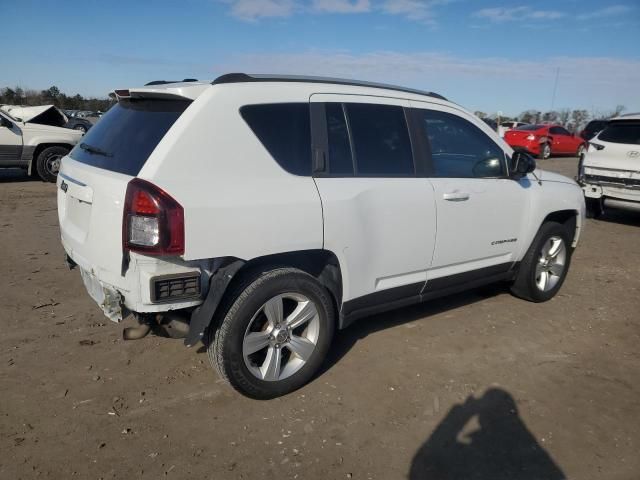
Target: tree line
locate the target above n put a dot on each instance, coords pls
(572, 120)
(52, 96)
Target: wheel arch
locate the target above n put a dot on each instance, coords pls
(568, 218)
(323, 265)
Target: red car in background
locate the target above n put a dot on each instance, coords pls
(544, 140)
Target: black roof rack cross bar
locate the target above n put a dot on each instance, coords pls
(244, 78)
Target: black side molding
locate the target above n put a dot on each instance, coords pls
(406, 295)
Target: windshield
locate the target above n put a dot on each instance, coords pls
(622, 132)
(530, 127)
(126, 135)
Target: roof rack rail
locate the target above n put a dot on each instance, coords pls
(164, 82)
(244, 78)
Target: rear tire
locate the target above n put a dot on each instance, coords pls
(48, 162)
(259, 347)
(544, 268)
(545, 151)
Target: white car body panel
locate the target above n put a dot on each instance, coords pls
(238, 202)
(379, 241)
(613, 173)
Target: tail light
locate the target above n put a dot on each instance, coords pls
(595, 146)
(152, 222)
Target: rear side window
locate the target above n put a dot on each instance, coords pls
(622, 132)
(380, 140)
(126, 135)
(459, 149)
(285, 131)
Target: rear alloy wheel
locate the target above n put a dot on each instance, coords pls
(48, 162)
(545, 151)
(275, 333)
(544, 267)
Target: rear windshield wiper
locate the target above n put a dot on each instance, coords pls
(95, 150)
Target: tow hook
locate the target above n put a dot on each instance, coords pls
(173, 324)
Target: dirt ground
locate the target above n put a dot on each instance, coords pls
(478, 385)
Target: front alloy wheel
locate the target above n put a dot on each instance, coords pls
(551, 262)
(544, 267)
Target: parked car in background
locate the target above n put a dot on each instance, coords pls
(289, 220)
(32, 138)
(492, 123)
(81, 124)
(545, 140)
(504, 127)
(609, 173)
(593, 128)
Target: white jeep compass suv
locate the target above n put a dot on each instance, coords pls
(259, 214)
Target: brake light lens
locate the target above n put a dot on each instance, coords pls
(595, 147)
(152, 221)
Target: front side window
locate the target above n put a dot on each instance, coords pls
(459, 149)
(285, 131)
(380, 139)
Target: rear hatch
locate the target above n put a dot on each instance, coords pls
(615, 153)
(93, 179)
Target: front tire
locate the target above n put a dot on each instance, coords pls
(544, 268)
(275, 332)
(48, 163)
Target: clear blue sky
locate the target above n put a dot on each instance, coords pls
(486, 55)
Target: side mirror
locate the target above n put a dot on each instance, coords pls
(521, 164)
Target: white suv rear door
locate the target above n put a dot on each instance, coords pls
(379, 216)
(481, 213)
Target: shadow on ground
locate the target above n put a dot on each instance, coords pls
(15, 175)
(344, 340)
(483, 439)
(622, 217)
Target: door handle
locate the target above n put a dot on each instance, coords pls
(456, 196)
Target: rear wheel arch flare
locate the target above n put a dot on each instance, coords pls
(323, 265)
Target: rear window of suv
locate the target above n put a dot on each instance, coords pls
(622, 132)
(126, 135)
